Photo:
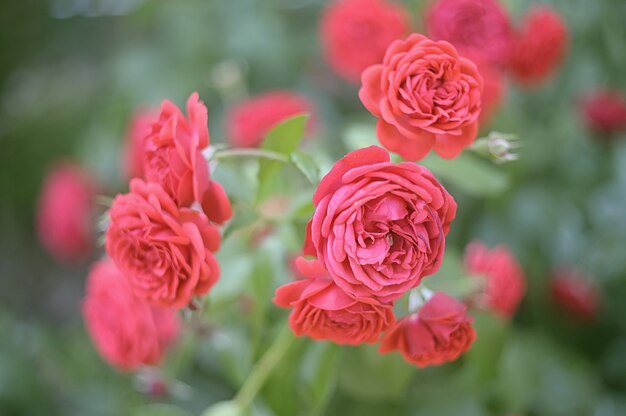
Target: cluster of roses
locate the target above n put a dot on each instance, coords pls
(160, 242)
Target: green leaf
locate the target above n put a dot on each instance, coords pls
(452, 278)
(305, 163)
(366, 374)
(319, 375)
(468, 173)
(228, 408)
(283, 139)
(159, 409)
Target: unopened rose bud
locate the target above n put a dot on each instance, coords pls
(498, 147)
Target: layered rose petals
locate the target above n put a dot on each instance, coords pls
(173, 159)
(356, 33)
(504, 281)
(321, 310)
(476, 27)
(426, 97)
(379, 227)
(249, 121)
(438, 333)
(539, 47)
(126, 330)
(165, 251)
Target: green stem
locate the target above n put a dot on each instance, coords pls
(258, 153)
(264, 368)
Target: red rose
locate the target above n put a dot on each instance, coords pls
(356, 33)
(605, 111)
(249, 121)
(504, 280)
(379, 227)
(426, 96)
(438, 333)
(173, 158)
(477, 27)
(126, 330)
(539, 47)
(65, 212)
(575, 294)
(321, 310)
(165, 252)
(140, 127)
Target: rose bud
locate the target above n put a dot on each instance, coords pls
(438, 333)
(539, 47)
(322, 311)
(480, 28)
(165, 252)
(604, 111)
(64, 214)
(356, 33)
(504, 281)
(575, 294)
(126, 330)
(379, 227)
(173, 159)
(248, 122)
(425, 96)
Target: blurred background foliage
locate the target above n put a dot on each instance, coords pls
(73, 71)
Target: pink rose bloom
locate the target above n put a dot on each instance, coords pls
(438, 333)
(322, 311)
(356, 33)
(140, 127)
(476, 27)
(165, 252)
(64, 214)
(604, 111)
(539, 47)
(126, 330)
(379, 227)
(504, 280)
(425, 97)
(173, 159)
(575, 294)
(249, 121)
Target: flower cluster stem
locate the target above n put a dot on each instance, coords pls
(256, 153)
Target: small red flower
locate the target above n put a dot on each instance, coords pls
(479, 28)
(604, 111)
(165, 252)
(356, 33)
(504, 280)
(539, 47)
(134, 150)
(249, 121)
(425, 97)
(322, 311)
(64, 215)
(173, 159)
(126, 330)
(438, 333)
(575, 294)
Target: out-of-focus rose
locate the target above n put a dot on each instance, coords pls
(575, 294)
(438, 333)
(140, 127)
(379, 227)
(126, 330)
(249, 121)
(494, 90)
(604, 111)
(538, 48)
(356, 33)
(64, 214)
(166, 252)
(504, 280)
(173, 158)
(425, 97)
(476, 27)
(321, 310)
